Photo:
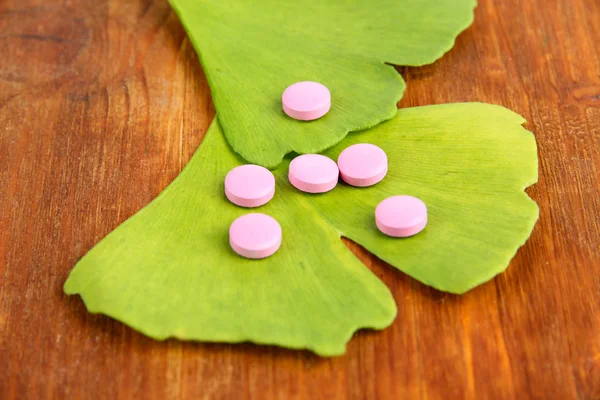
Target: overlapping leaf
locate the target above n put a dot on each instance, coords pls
(252, 50)
(469, 163)
(169, 272)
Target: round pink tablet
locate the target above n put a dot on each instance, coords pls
(362, 164)
(306, 100)
(255, 235)
(401, 216)
(249, 185)
(313, 173)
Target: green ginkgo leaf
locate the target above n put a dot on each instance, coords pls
(169, 271)
(469, 163)
(252, 50)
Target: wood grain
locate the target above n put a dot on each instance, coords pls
(103, 102)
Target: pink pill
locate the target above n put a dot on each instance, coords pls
(313, 173)
(255, 235)
(306, 100)
(362, 164)
(249, 185)
(401, 216)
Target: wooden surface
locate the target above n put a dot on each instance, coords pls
(102, 102)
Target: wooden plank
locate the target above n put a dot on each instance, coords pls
(101, 105)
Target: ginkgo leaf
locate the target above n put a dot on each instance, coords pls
(169, 271)
(469, 163)
(252, 50)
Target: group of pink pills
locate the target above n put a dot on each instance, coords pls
(258, 235)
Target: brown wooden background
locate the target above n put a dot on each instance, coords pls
(102, 102)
